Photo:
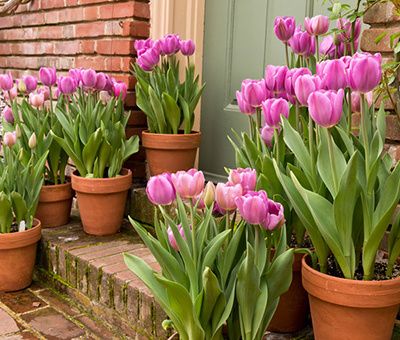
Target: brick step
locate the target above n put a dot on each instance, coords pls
(91, 271)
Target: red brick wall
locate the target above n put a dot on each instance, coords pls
(78, 33)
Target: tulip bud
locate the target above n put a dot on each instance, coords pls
(171, 237)
(284, 28)
(326, 107)
(301, 42)
(120, 90)
(254, 92)
(67, 85)
(327, 47)
(273, 109)
(143, 45)
(346, 26)
(32, 141)
(8, 115)
(21, 86)
(365, 72)
(105, 97)
(30, 83)
(170, 44)
(317, 25)
(304, 86)
(18, 131)
(89, 78)
(333, 75)
(148, 59)
(187, 47)
(356, 98)
(48, 76)
(101, 81)
(209, 194)
(247, 178)
(6, 82)
(9, 139)
(36, 99)
(275, 217)
(225, 195)
(267, 134)
(188, 184)
(160, 190)
(275, 78)
(244, 106)
(253, 207)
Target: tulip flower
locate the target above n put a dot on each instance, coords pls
(188, 184)
(18, 132)
(105, 97)
(365, 72)
(275, 78)
(244, 106)
(254, 92)
(225, 195)
(208, 195)
(284, 28)
(187, 47)
(253, 206)
(8, 115)
(171, 237)
(301, 42)
(32, 141)
(273, 109)
(101, 81)
(36, 99)
(170, 44)
(356, 100)
(48, 76)
(30, 83)
(6, 82)
(275, 217)
(327, 47)
(345, 26)
(89, 78)
(21, 87)
(76, 73)
(267, 135)
(120, 90)
(9, 139)
(149, 59)
(333, 74)
(160, 190)
(46, 92)
(304, 86)
(317, 25)
(67, 85)
(326, 107)
(291, 77)
(247, 178)
(142, 45)
(12, 94)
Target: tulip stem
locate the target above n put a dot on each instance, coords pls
(317, 47)
(311, 143)
(297, 107)
(350, 112)
(332, 161)
(287, 54)
(193, 232)
(251, 126)
(258, 128)
(364, 117)
(277, 146)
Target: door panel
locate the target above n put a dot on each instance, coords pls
(239, 41)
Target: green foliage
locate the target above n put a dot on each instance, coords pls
(168, 103)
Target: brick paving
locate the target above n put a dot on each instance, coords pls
(41, 313)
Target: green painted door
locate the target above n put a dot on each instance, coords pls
(239, 42)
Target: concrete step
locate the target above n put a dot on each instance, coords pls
(91, 271)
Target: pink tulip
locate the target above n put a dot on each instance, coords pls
(149, 59)
(170, 44)
(6, 82)
(160, 190)
(48, 76)
(327, 47)
(244, 106)
(101, 81)
(171, 237)
(253, 206)
(275, 78)
(365, 72)
(301, 42)
(333, 74)
(267, 134)
(12, 94)
(304, 86)
(67, 85)
(225, 195)
(187, 47)
(317, 25)
(326, 107)
(247, 178)
(76, 73)
(254, 92)
(345, 26)
(356, 98)
(291, 77)
(273, 109)
(30, 83)
(188, 184)
(89, 78)
(275, 217)
(284, 28)
(9, 139)
(46, 92)
(120, 90)
(36, 99)
(142, 45)
(8, 115)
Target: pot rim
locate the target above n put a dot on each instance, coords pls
(22, 238)
(67, 183)
(192, 133)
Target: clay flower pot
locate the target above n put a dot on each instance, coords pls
(101, 202)
(291, 314)
(17, 258)
(54, 208)
(170, 152)
(351, 309)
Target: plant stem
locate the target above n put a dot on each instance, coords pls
(364, 112)
(277, 146)
(332, 161)
(350, 112)
(227, 222)
(193, 232)
(287, 54)
(297, 107)
(317, 47)
(311, 143)
(251, 128)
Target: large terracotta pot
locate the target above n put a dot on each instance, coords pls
(170, 152)
(54, 208)
(291, 314)
(17, 258)
(351, 309)
(101, 202)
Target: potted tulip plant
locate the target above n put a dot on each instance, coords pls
(168, 103)
(33, 117)
(21, 179)
(91, 114)
(214, 270)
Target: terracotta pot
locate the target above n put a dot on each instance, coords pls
(351, 309)
(291, 314)
(54, 208)
(169, 152)
(101, 202)
(17, 258)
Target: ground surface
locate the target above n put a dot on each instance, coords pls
(41, 313)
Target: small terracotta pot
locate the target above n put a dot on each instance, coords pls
(291, 314)
(101, 202)
(54, 208)
(170, 152)
(351, 309)
(17, 258)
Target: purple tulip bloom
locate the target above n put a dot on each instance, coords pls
(267, 135)
(8, 115)
(345, 26)
(291, 77)
(326, 107)
(275, 78)
(304, 86)
(365, 72)
(30, 83)
(317, 25)
(244, 106)
(171, 237)
(76, 73)
(170, 44)
(273, 109)
(275, 217)
(356, 100)
(333, 74)
(148, 60)
(89, 78)
(327, 47)
(301, 42)
(254, 92)
(67, 85)
(160, 190)
(120, 90)
(284, 28)
(247, 178)
(188, 184)
(6, 82)
(101, 81)
(226, 194)
(143, 45)
(48, 76)
(187, 47)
